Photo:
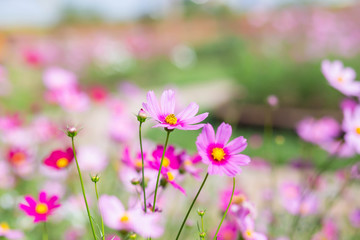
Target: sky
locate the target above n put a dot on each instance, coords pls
(46, 13)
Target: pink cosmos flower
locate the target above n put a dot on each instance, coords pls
(171, 159)
(8, 233)
(165, 115)
(59, 159)
(118, 218)
(341, 78)
(40, 209)
(221, 156)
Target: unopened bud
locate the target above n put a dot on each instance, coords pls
(133, 236)
(95, 178)
(135, 181)
(272, 100)
(71, 131)
(142, 116)
(201, 212)
(202, 235)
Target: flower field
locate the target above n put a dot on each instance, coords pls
(206, 122)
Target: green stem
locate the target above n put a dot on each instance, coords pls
(191, 206)
(142, 167)
(45, 233)
(227, 209)
(161, 163)
(102, 221)
(202, 227)
(83, 189)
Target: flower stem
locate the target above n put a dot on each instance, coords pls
(161, 163)
(191, 206)
(227, 209)
(45, 233)
(142, 166)
(102, 221)
(83, 189)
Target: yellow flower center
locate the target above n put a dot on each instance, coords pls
(138, 163)
(125, 218)
(166, 162)
(218, 154)
(62, 162)
(41, 208)
(239, 199)
(4, 226)
(171, 119)
(249, 233)
(18, 158)
(357, 130)
(170, 176)
(340, 79)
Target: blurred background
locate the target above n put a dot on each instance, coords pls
(228, 55)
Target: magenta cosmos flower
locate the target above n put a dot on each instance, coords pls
(59, 159)
(165, 115)
(221, 155)
(40, 209)
(341, 78)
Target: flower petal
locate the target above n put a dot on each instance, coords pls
(189, 112)
(237, 145)
(168, 102)
(223, 133)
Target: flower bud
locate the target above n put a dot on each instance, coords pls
(201, 212)
(135, 181)
(133, 236)
(141, 117)
(272, 100)
(71, 131)
(95, 178)
(202, 235)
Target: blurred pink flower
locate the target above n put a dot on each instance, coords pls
(318, 131)
(165, 115)
(351, 126)
(134, 162)
(56, 79)
(116, 217)
(7, 180)
(341, 78)
(228, 231)
(295, 203)
(92, 159)
(40, 209)
(272, 100)
(329, 231)
(221, 156)
(5, 85)
(8, 233)
(355, 218)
